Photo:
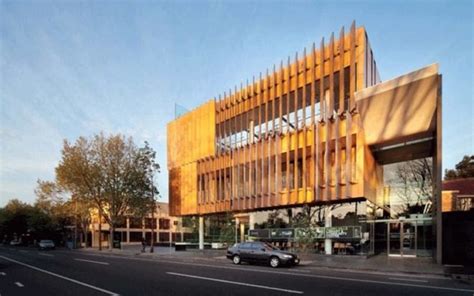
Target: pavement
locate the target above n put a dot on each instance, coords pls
(27, 271)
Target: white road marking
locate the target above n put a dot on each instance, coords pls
(290, 273)
(3, 273)
(47, 255)
(310, 275)
(61, 276)
(235, 283)
(19, 284)
(408, 280)
(92, 261)
(300, 270)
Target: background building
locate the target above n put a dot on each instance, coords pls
(458, 195)
(132, 230)
(318, 153)
(458, 221)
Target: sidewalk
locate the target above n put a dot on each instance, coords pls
(379, 263)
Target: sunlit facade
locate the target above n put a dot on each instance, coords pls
(319, 153)
(132, 229)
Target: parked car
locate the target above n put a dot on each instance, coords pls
(46, 244)
(260, 252)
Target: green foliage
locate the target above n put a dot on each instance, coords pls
(111, 173)
(221, 228)
(227, 231)
(18, 219)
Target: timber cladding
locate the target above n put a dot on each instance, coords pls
(290, 137)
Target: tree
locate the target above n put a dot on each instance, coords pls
(111, 173)
(14, 219)
(463, 169)
(145, 203)
(48, 196)
(21, 221)
(53, 211)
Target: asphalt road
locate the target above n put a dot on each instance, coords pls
(26, 271)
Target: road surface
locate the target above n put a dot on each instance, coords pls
(27, 271)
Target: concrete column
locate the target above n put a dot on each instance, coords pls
(201, 233)
(242, 232)
(437, 180)
(158, 228)
(328, 223)
(128, 230)
(251, 221)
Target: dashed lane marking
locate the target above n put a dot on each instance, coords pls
(47, 255)
(61, 276)
(92, 261)
(19, 284)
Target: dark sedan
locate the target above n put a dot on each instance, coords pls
(259, 252)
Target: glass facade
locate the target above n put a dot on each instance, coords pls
(397, 223)
(403, 215)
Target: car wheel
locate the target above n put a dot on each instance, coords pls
(236, 259)
(274, 262)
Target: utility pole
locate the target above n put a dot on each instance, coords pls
(75, 226)
(152, 215)
(100, 228)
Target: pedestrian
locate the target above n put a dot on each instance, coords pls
(143, 245)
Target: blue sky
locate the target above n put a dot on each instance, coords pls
(73, 68)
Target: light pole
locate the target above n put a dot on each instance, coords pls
(152, 215)
(75, 226)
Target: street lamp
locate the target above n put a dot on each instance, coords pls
(153, 207)
(75, 222)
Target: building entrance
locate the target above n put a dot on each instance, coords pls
(403, 237)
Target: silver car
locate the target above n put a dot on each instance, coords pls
(45, 244)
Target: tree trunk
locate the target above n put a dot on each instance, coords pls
(111, 238)
(85, 237)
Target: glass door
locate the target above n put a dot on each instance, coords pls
(394, 230)
(408, 239)
(424, 238)
(402, 238)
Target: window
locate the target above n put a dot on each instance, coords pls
(336, 91)
(135, 223)
(150, 223)
(257, 246)
(246, 246)
(164, 223)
